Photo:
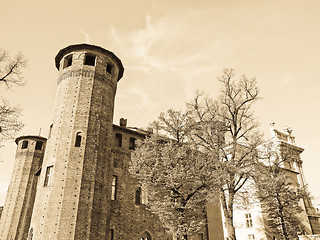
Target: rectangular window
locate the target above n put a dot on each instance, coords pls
(118, 140)
(39, 145)
(90, 60)
(67, 61)
(114, 188)
(132, 143)
(251, 237)
(109, 68)
(24, 144)
(248, 220)
(48, 177)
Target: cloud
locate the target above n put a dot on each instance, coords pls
(287, 78)
(167, 44)
(86, 36)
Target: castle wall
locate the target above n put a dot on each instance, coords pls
(130, 220)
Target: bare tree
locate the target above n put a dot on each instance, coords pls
(229, 136)
(211, 149)
(10, 69)
(10, 75)
(10, 123)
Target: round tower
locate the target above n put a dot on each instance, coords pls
(73, 196)
(17, 211)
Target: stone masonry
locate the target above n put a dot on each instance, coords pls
(73, 197)
(16, 215)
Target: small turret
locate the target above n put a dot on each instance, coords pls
(17, 211)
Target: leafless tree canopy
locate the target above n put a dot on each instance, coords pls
(229, 133)
(10, 69)
(10, 123)
(10, 76)
(215, 139)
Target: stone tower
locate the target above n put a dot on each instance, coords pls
(74, 190)
(19, 202)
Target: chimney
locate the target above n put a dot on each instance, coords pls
(123, 122)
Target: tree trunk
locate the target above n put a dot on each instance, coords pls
(228, 213)
(230, 229)
(283, 226)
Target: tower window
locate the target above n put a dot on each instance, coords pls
(24, 144)
(90, 60)
(48, 177)
(78, 140)
(138, 196)
(248, 220)
(114, 188)
(111, 234)
(132, 143)
(109, 68)
(67, 61)
(118, 140)
(39, 145)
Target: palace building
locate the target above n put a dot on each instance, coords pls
(75, 184)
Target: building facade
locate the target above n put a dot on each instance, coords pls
(250, 221)
(76, 184)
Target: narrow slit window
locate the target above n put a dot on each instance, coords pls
(67, 61)
(78, 140)
(39, 145)
(90, 60)
(109, 68)
(118, 140)
(111, 234)
(132, 143)
(24, 144)
(48, 177)
(138, 196)
(114, 188)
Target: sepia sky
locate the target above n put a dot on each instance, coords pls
(170, 49)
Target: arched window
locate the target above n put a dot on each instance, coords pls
(114, 188)
(118, 140)
(146, 236)
(138, 196)
(78, 139)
